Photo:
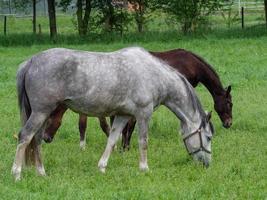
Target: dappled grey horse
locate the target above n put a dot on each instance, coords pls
(129, 82)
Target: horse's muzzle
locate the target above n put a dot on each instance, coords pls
(47, 139)
(227, 123)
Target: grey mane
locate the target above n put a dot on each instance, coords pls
(195, 101)
(192, 95)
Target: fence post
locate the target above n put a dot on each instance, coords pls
(5, 25)
(242, 17)
(265, 9)
(40, 29)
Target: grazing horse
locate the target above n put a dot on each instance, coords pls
(126, 83)
(193, 67)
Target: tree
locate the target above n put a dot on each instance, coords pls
(83, 20)
(112, 15)
(106, 8)
(106, 12)
(188, 13)
(83, 11)
(229, 14)
(140, 7)
(52, 19)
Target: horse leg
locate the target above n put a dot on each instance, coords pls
(82, 129)
(32, 126)
(117, 126)
(53, 123)
(104, 125)
(111, 120)
(124, 136)
(143, 122)
(37, 153)
(127, 133)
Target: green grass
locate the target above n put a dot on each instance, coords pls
(239, 166)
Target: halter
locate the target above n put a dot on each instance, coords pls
(201, 148)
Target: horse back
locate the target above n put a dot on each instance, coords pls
(184, 62)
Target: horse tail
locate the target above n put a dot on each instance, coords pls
(25, 108)
(23, 100)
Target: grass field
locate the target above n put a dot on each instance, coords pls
(239, 166)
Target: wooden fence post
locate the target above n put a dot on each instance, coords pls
(242, 17)
(265, 9)
(40, 29)
(5, 25)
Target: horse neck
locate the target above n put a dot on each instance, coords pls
(188, 110)
(210, 79)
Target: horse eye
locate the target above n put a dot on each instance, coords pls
(208, 138)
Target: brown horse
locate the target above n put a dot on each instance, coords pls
(193, 67)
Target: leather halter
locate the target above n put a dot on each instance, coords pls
(201, 148)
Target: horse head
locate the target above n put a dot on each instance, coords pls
(50, 130)
(223, 106)
(198, 143)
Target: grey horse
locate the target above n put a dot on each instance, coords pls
(125, 83)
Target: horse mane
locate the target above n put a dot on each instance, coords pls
(192, 95)
(206, 63)
(195, 101)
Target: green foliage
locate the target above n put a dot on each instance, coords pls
(190, 14)
(141, 15)
(229, 15)
(112, 17)
(24, 6)
(63, 4)
(105, 16)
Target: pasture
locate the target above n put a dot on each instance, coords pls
(239, 165)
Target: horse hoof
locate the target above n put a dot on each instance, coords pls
(102, 166)
(15, 171)
(82, 145)
(17, 178)
(41, 171)
(114, 148)
(143, 167)
(102, 169)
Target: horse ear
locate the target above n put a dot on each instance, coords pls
(228, 89)
(208, 117)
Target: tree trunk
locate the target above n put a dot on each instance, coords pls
(79, 14)
(34, 16)
(265, 8)
(52, 19)
(109, 21)
(186, 25)
(139, 7)
(86, 17)
(83, 21)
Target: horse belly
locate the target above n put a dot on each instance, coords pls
(97, 107)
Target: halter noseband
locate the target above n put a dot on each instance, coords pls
(201, 148)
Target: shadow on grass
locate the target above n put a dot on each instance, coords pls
(151, 36)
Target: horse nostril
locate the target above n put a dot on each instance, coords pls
(227, 124)
(47, 139)
(206, 164)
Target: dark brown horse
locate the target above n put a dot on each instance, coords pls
(193, 67)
